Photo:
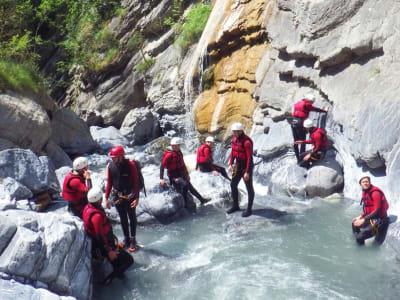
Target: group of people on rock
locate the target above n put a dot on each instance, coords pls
(122, 188)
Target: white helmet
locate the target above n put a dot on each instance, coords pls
(210, 139)
(308, 123)
(80, 163)
(310, 97)
(237, 126)
(94, 195)
(176, 141)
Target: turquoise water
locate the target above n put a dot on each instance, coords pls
(307, 254)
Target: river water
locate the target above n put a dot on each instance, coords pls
(304, 250)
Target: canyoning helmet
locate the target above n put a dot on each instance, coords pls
(117, 151)
(237, 126)
(80, 163)
(176, 141)
(310, 97)
(308, 123)
(210, 139)
(94, 195)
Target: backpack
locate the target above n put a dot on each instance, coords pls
(140, 176)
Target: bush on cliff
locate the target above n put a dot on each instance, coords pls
(193, 27)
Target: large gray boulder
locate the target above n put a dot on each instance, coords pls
(23, 122)
(35, 173)
(71, 133)
(9, 187)
(140, 126)
(57, 155)
(47, 250)
(108, 137)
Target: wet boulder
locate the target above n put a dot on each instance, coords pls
(71, 133)
(140, 126)
(57, 155)
(15, 190)
(324, 178)
(108, 137)
(35, 173)
(47, 250)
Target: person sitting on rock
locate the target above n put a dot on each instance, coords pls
(320, 144)
(98, 227)
(76, 185)
(374, 220)
(242, 156)
(301, 110)
(177, 172)
(204, 160)
(123, 185)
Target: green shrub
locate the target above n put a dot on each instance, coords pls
(19, 77)
(136, 41)
(145, 65)
(193, 27)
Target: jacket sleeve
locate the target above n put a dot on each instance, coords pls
(77, 185)
(163, 165)
(99, 230)
(249, 153)
(231, 157)
(109, 183)
(317, 141)
(376, 199)
(313, 108)
(135, 178)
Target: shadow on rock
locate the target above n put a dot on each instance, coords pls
(269, 213)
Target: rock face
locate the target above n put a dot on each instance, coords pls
(29, 122)
(35, 173)
(71, 133)
(47, 251)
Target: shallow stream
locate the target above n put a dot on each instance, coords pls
(308, 253)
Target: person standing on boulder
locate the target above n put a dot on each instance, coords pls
(177, 171)
(374, 220)
(204, 160)
(98, 227)
(301, 110)
(242, 157)
(123, 185)
(76, 185)
(320, 144)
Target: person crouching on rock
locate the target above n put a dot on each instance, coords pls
(374, 220)
(76, 185)
(123, 184)
(301, 111)
(177, 172)
(204, 160)
(98, 227)
(242, 156)
(320, 144)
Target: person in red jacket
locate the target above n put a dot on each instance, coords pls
(123, 185)
(76, 185)
(242, 157)
(98, 227)
(204, 160)
(320, 144)
(177, 172)
(374, 220)
(300, 113)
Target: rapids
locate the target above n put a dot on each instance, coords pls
(288, 249)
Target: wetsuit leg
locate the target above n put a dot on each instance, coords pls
(132, 220)
(302, 163)
(74, 211)
(382, 231)
(204, 167)
(222, 171)
(196, 193)
(234, 188)
(250, 191)
(181, 187)
(362, 233)
(122, 211)
(299, 134)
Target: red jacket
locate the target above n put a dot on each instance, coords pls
(303, 108)
(242, 150)
(174, 163)
(204, 155)
(130, 172)
(75, 190)
(98, 226)
(374, 200)
(318, 139)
